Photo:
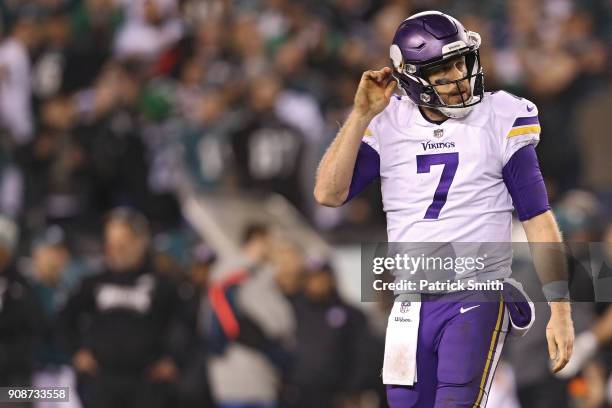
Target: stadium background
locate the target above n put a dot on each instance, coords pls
(203, 114)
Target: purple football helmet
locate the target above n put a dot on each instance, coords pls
(426, 40)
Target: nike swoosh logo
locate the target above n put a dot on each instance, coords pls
(530, 108)
(467, 309)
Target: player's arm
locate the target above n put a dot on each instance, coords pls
(338, 164)
(550, 262)
(525, 183)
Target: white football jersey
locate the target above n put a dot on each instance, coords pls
(443, 182)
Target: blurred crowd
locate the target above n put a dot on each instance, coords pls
(116, 102)
(126, 103)
(140, 330)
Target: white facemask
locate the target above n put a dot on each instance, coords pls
(457, 113)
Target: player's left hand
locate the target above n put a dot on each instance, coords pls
(560, 334)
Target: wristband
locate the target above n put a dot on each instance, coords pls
(556, 290)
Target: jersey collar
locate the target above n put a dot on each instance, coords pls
(424, 117)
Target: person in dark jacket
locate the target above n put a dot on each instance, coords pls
(194, 390)
(19, 315)
(268, 151)
(332, 364)
(119, 323)
(54, 273)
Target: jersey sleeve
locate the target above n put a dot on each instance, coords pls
(367, 165)
(520, 126)
(525, 183)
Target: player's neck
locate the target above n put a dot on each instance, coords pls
(432, 115)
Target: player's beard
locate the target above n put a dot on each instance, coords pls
(460, 94)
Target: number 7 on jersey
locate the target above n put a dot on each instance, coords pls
(450, 162)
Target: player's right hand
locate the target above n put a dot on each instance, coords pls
(560, 335)
(374, 92)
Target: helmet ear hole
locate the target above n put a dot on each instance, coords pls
(474, 38)
(396, 57)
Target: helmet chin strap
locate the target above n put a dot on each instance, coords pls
(457, 112)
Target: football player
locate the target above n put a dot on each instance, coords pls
(453, 161)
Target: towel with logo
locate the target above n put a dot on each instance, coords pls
(399, 366)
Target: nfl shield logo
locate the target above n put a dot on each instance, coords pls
(438, 133)
(404, 307)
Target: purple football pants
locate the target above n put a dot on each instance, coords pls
(461, 337)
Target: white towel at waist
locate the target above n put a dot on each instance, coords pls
(400, 363)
